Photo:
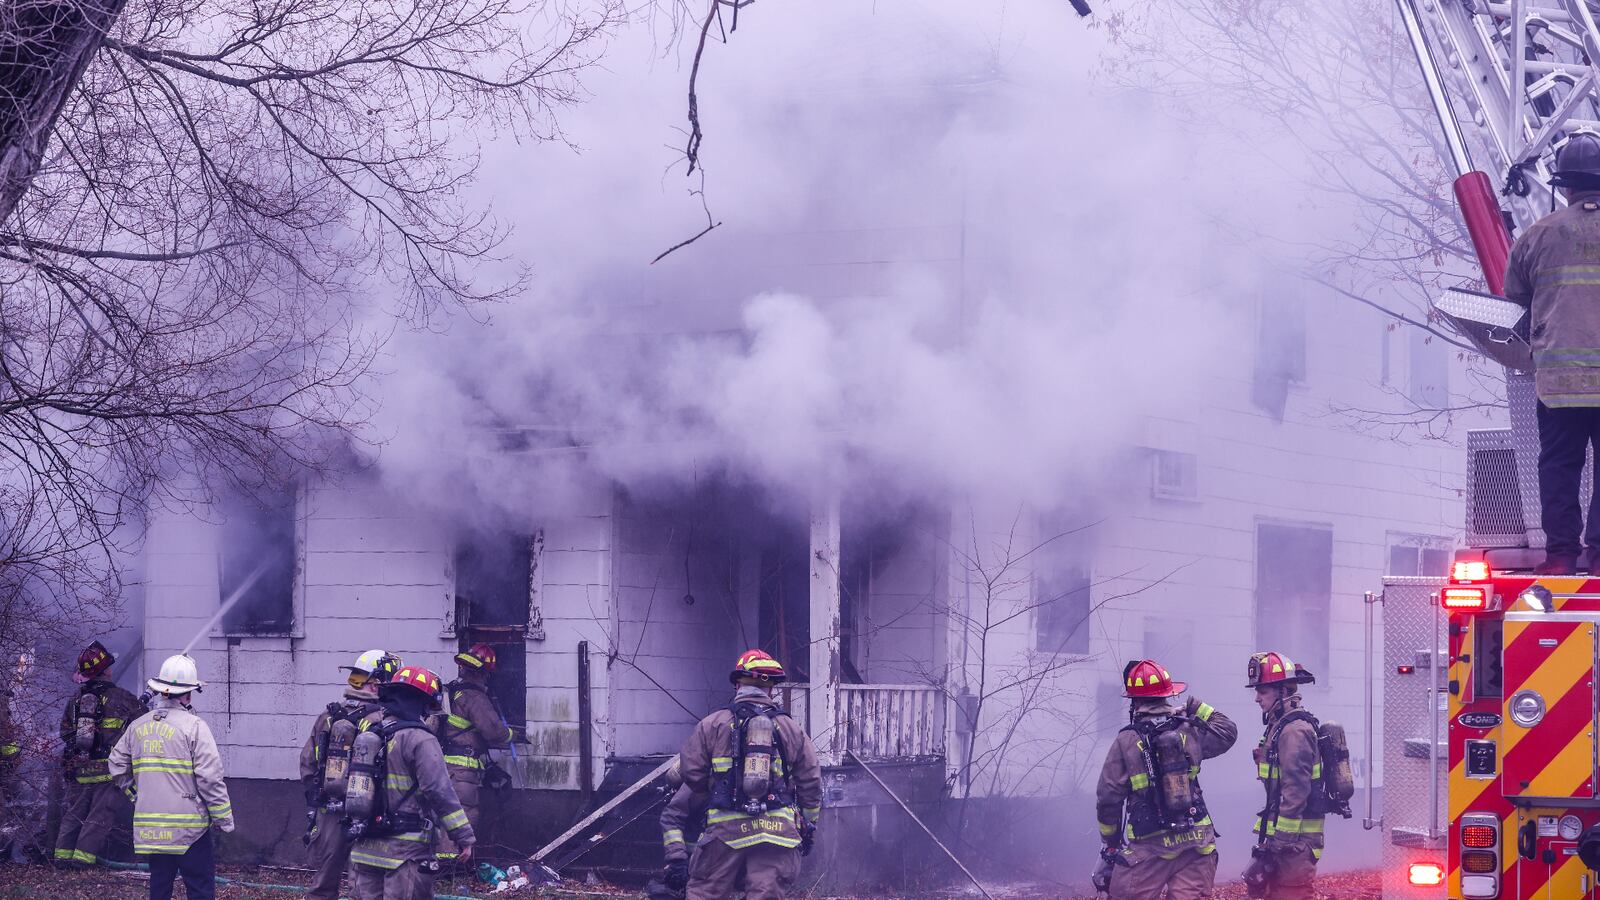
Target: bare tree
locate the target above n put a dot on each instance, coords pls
(205, 206)
(1339, 81)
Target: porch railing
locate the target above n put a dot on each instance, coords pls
(880, 721)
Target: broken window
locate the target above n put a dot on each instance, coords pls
(1061, 588)
(257, 563)
(1280, 352)
(495, 599)
(1294, 592)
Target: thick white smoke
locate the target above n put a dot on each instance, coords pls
(950, 253)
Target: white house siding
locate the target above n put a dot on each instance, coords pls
(374, 574)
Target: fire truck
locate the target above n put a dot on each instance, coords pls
(1490, 678)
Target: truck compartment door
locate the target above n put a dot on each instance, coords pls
(1549, 725)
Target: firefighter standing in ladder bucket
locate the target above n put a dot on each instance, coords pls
(468, 732)
(763, 785)
(325, 766)
(1554, 270)
(1164, 840)
(169, 760)
(398, 795)
(90, 726)
(1304, 765)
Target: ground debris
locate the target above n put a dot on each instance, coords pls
(20, 882)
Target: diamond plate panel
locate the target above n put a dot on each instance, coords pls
(1525, 443)
(1494, 500)
(1413, 634)
(1488, 309)
(1490, 323)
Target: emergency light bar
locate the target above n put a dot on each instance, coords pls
(1465, 599)
(1470, 570)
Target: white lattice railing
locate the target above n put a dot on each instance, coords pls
(880, 721)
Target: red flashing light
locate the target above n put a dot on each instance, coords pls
(1479, 836)
(1404, 670)
(1426, 874)
(1466, 598)
(1470, 570)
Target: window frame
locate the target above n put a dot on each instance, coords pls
(457, 619)
(297, 581)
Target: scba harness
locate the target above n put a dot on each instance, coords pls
(1333, 782)
(1166, 795)
(366, 803)
(758, 777)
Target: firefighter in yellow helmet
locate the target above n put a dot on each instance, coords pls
(763, 784)
(325, 766)
(1156, 831)
(1289, 765)
(90, 726)
(469, 731)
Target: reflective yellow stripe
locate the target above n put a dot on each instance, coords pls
(464, 762)
(372, 859)
(84, 856)
(1203, 713)
(1194, 771)
(457, 721)
(1139, 781)
(169, 819)
(812, 814)
(1107, 830)
(750, 840)
(1208, 849)
(93, 779)
(1316, 771)
(455, 820)
(400, 782)
(63, 854)
(162, 765)
(1264, 771)
(1296, 826)
(721, 763)
(9, 749)
(446, 855)
(112, 723)
(165, 849)
(416, 837)
(220, 812)
(671, 837)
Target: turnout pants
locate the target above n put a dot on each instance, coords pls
(1293, 875)
(198, 866)
(88, 814)
(1187, 876)
(469, 790)
(1564, 435)
(715, 868)
(408, 881)
(330, 854)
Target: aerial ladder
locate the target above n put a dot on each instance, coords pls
(1491, 712)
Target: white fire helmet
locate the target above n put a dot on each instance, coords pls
(178, 675)
(366, 662)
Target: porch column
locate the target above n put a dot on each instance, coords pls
(823, 698)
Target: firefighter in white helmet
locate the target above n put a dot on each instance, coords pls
(325, 766)
(1156, 832)
(170, 760)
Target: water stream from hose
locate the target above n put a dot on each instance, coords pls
(233, 598)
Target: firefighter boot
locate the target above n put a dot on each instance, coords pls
(1557, 564)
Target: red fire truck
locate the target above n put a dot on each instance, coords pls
(1489, 678)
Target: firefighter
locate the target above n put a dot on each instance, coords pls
(359, 710)
(1289, 764)
(394, 854)
(169, 760)
(10, 756)
(472, 728)
(91, 724)
(763, 785)
(1164, 840)
(1551, 271)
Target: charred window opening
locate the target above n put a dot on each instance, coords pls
(1062, 588)
(1294, 593)
(257, 563)
(494, 603)
(783, 620)
(1280, 352)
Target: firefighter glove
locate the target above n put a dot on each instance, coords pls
(676, 874)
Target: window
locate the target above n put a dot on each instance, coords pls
(783, 601)
(257, 563)
(1062, 588)
(495, 600)
(1173, 475)
(1416, 557)
(1280, 352)
(1294, 592)
(1171, 643)
(1430, 371)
